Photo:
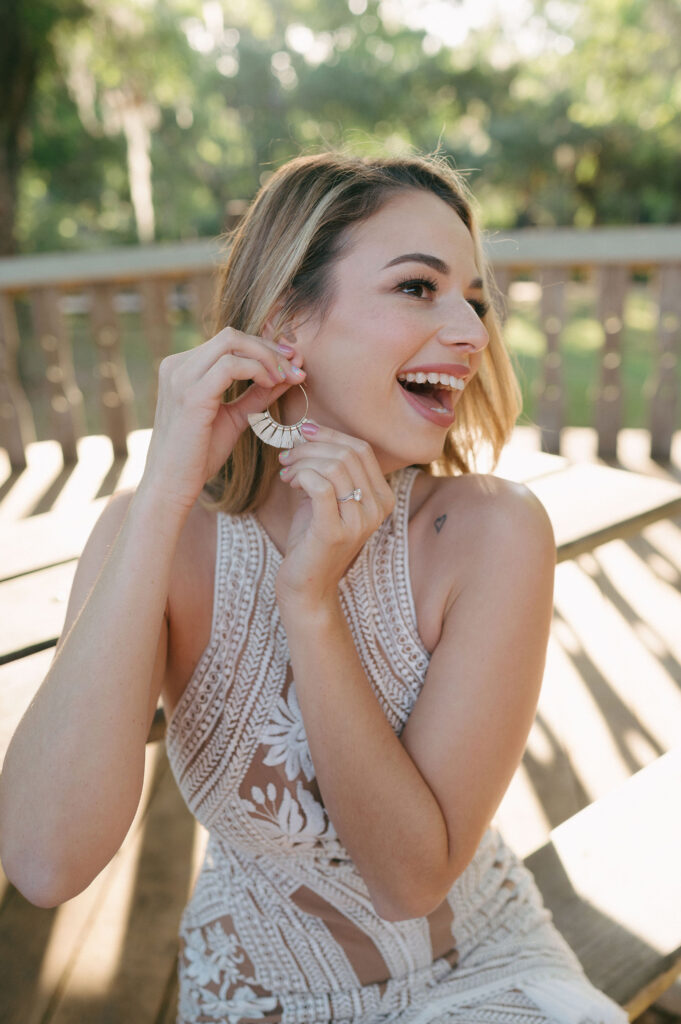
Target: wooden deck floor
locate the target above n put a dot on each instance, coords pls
(611, 703)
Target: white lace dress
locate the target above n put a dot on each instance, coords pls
(280, 927)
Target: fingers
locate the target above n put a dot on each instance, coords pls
(330, 470)
(325, 483)
(230, 367)
(241, 356)
(346, 463)
(321, 491)
(358, 456)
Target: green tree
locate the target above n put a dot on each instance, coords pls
(155, 119)
(26, 45)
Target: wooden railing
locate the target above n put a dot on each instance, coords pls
(153, 273)
(158, 277)
(611, 257)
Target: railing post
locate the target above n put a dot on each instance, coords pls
(613, 282)
(66, 399)
(665, 396)
(17, 428)
(550, 397)
(115, 391)
(157, 327)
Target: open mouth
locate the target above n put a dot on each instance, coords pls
(432, 395)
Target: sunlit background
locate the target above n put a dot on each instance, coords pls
(155, 119)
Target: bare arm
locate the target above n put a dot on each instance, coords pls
(412, 811)
(73, 773)
(382, 808)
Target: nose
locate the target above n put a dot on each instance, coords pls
(462, 328)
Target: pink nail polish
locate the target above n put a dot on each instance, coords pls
(286, 350)
(309, 427)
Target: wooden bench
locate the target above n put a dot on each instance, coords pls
(609, 874)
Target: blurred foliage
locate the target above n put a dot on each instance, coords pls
(26, 50)
(582, 125)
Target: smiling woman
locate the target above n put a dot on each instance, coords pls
(349, 648)
(285, 266)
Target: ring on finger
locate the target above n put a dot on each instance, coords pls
(355, 495)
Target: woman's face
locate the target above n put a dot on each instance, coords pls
(406, 297)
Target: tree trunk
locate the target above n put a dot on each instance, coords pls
(25, 44)
(18, 63)
(138, 138)
(8, 198)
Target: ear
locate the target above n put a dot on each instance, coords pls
(273, 329)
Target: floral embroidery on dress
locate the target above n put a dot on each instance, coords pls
(214, 960)
(242, 1004)
(297, 820)
(285, 735)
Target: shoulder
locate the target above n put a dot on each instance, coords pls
(487, 504)
(482, 524)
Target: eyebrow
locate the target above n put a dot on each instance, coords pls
(430, 261)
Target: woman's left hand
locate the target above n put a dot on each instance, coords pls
(325, 536)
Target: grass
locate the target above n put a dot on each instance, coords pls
(580, 344)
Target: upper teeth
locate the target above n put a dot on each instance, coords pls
(445, 379)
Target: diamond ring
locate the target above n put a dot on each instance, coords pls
(355, 495)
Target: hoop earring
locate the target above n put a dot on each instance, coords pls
(277, 434)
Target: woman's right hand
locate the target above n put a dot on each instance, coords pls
(194, 431)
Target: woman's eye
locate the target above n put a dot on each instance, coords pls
(418, 287)
(479, 306)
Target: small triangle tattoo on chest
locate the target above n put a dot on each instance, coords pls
(440, 522)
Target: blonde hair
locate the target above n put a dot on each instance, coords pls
(282, 255)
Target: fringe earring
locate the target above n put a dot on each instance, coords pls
(277, 434)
